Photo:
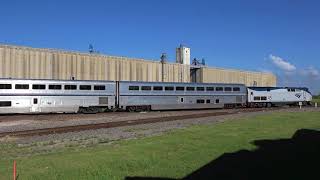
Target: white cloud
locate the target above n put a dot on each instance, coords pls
(281, 63)
(311, 72)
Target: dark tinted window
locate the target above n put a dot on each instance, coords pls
(146, 88)
(200, 101)
(190, 88)
(38, 86)
(169, 88)
(85, 87)
(236, 89)
(54, 86)
(134, 88)
(291, 90)
(157, 88)
(35, 101)
(200, 88)
(22, 86)
(257, 98)
(263, 98)
(227, 89)
(208, 101)
(5, 103)
(210, 88)
(217, 101)
(99, 87)
(179, 88)
(219, 88)
(5, 86)
(70, 87)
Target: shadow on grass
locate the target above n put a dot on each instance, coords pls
(294, 158)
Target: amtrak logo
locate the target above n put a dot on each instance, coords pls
(298, 95)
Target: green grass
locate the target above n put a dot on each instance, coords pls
(174, 154)
(317, 100)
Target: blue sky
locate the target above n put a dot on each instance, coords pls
(251, 35)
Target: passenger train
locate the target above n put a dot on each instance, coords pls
(73, 96)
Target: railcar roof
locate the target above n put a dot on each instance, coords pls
(263, 88)
(184, 83)
(55, 80)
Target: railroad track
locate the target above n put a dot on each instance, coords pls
(77, 128)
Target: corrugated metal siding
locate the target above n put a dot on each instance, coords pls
(248, 78)
(33, 63)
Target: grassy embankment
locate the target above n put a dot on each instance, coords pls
(174, 154)
(316, 99)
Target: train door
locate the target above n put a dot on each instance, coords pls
(250, 96)
(35, 104)
(181, 100)
(304, 95)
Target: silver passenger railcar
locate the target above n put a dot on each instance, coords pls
(166, 96)
(51, 96)
(272, 96)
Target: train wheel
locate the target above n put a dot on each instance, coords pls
(131, 108)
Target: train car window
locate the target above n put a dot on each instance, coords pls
(208, 101)
(22, 86)
(85, 87)
(70, 87)
(169, 88)
(179, 88)
(200, 88)
(146, 88)
(263, 98)
(217, 101)
(157, 88)
(182, 100)
(99, 87)
(257, 98)
(200, 101)
(210, 88)
(5, 86)
(35, 101)
(5, 103)
(190, 88)
(38, 86)
(219, 88)
(55, 86)
(134, 88)
(236, 89)
(227, 89)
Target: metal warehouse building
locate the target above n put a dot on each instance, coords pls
(35, 63)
